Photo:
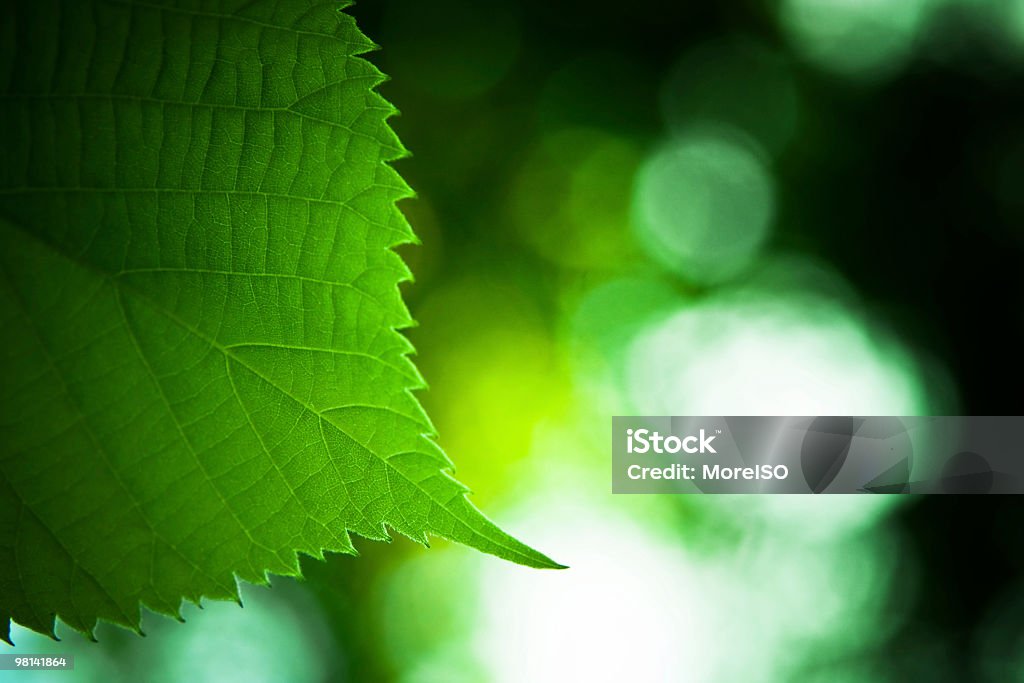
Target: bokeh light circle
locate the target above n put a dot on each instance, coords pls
(859, 38)
(268, 641)
(758, 354)
(749, 352)
(637, 603)
(703, 205)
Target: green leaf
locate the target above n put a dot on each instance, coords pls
(199, 298)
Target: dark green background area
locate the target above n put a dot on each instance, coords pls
(911, 187)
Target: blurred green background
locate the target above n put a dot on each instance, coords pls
(793, 207)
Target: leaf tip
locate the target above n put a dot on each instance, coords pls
(542, 561)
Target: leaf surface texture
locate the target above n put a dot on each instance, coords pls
(198, 293)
